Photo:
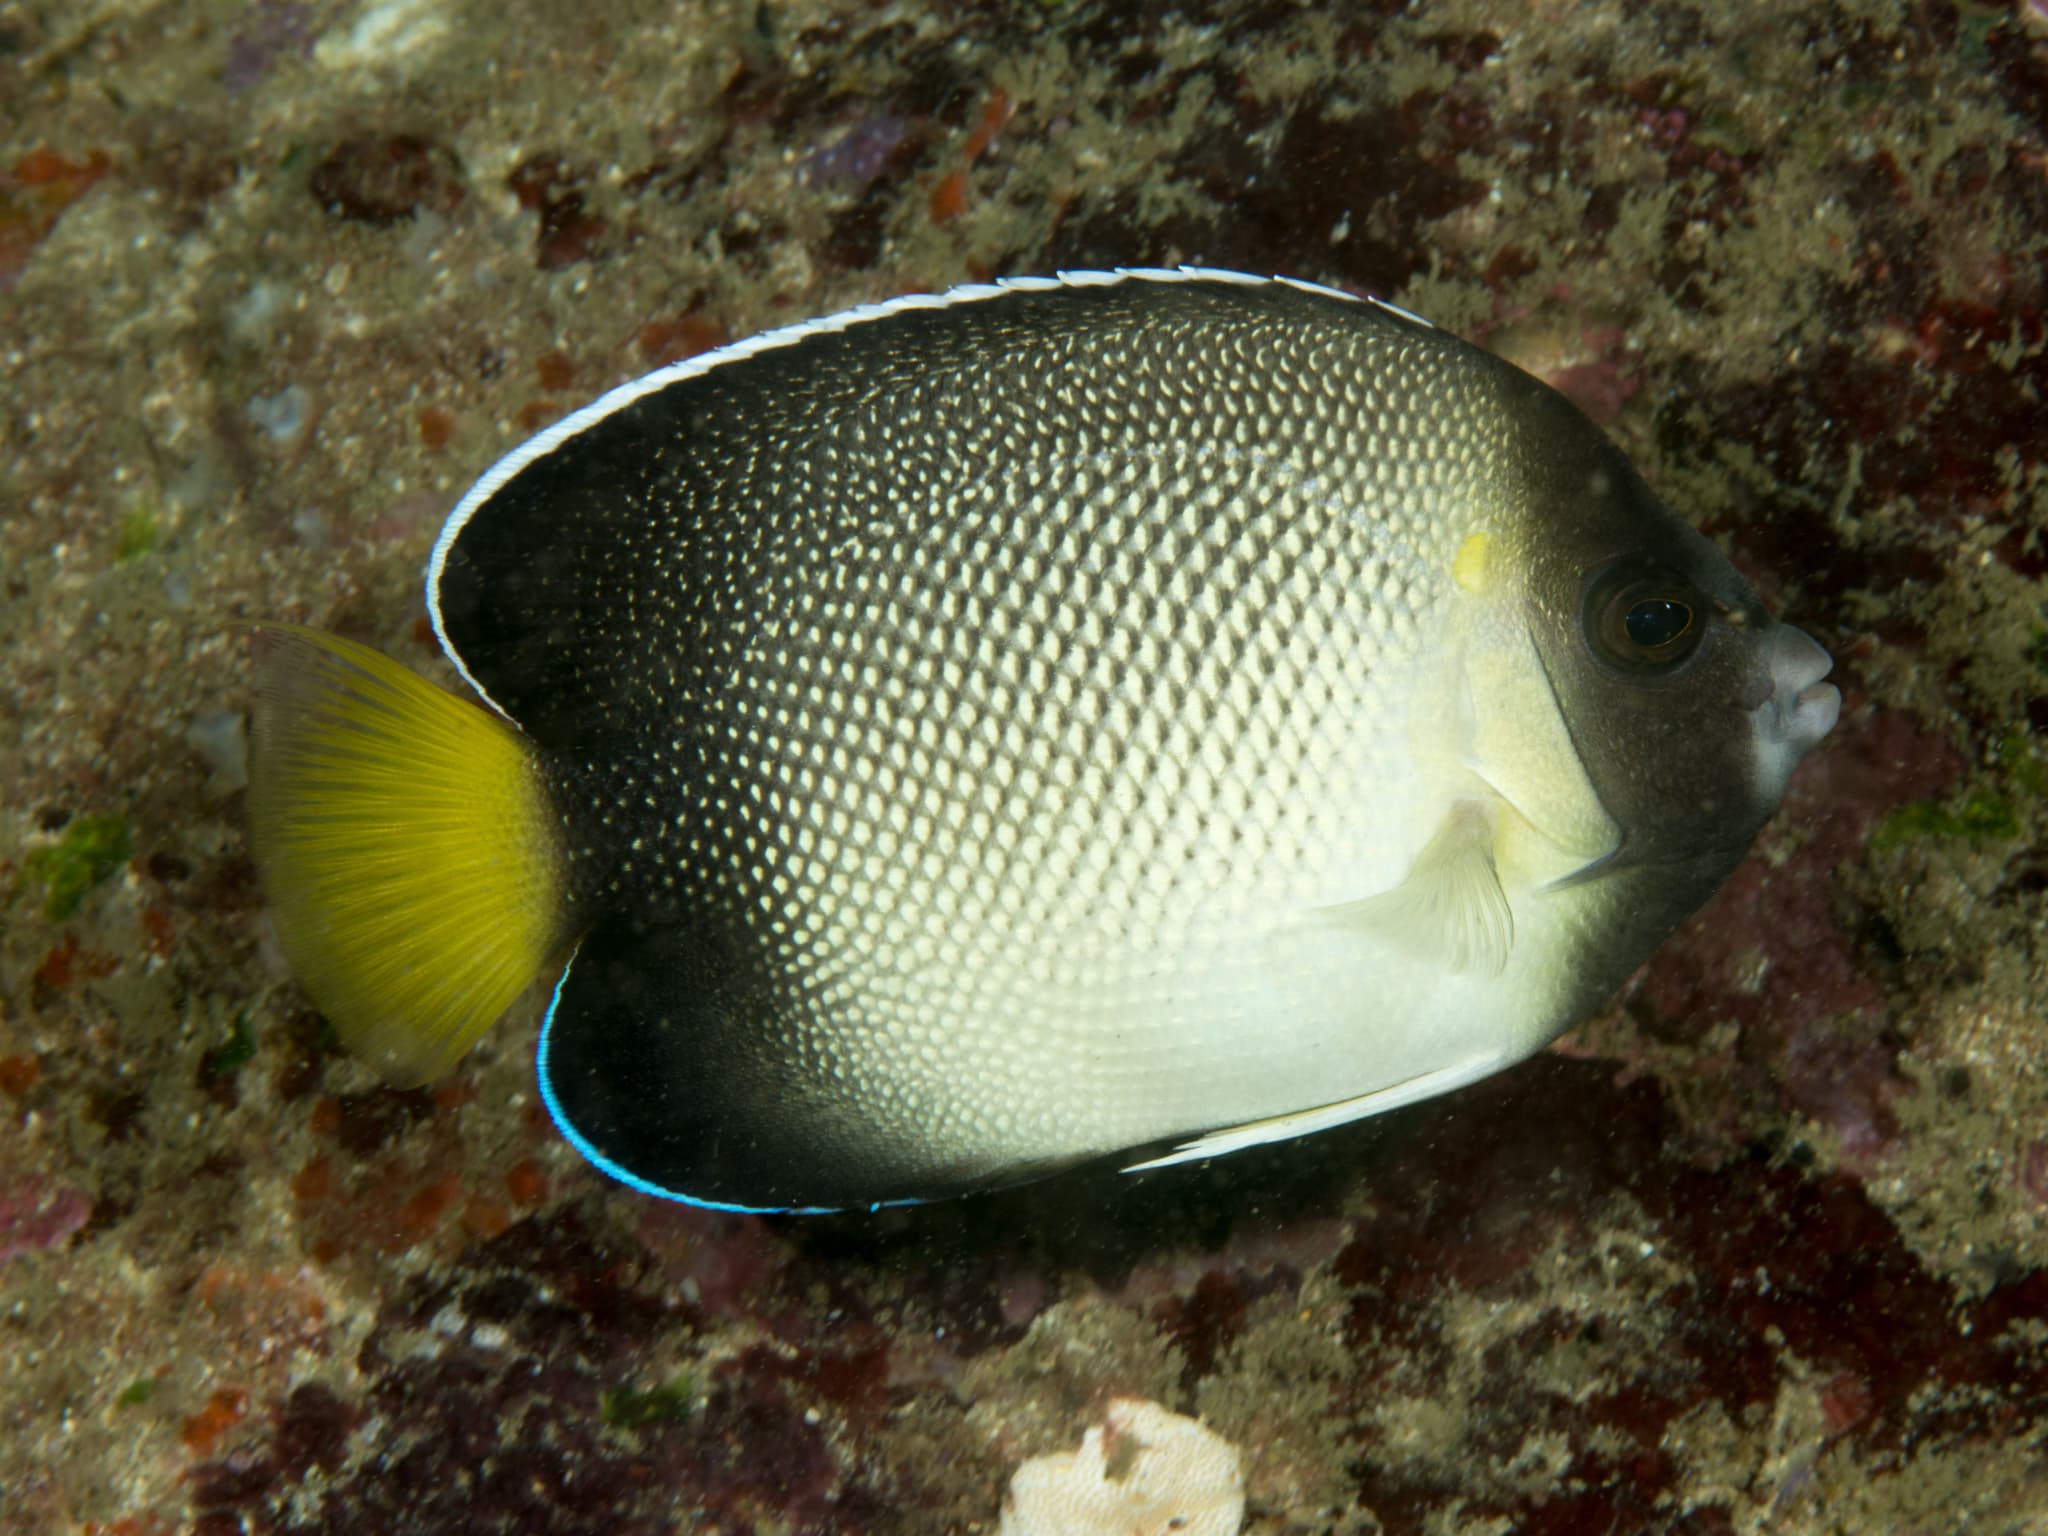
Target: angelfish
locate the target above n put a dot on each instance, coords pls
(1142, 713)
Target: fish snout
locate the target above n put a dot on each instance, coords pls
(1805, 706)
(1800, 710)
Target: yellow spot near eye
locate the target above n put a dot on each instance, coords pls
(1469, 569)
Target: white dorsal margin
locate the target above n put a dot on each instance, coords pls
(1303, 1122)
(553, 437)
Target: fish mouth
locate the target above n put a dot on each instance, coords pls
(1801, 708)
(1816, 708)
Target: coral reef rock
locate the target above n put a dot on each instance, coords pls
(1143, 1471)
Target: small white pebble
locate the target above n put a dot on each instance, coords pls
(250, 317)
(310, 525)
(220, 738)
(282, 416)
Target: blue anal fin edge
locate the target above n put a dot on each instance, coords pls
(613, 1168)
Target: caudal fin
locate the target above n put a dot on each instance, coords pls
(407, 845)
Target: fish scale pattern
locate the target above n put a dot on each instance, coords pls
(1010, 704)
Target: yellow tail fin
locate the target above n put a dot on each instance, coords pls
(407, 846)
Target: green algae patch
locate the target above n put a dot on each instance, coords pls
(626, 1408)
(92, 848)
(137, 1392)
(232, 1054)
(139, 533)
(2019, 753)
(1982, 814)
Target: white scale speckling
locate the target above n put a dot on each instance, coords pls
(1043, 728)
(1078, 715)
(980, 717)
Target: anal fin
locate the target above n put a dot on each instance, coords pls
(676, 1057)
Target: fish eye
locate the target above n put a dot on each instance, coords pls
(1656, 623)
(1646, 623)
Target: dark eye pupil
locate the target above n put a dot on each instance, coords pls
(1655, 622)
(1645, 619)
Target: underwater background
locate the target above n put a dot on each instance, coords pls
(1764, 1246)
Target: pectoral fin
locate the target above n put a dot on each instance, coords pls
(1451, 908)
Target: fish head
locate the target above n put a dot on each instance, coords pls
(1687, 703)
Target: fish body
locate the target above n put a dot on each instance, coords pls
(1134, 713)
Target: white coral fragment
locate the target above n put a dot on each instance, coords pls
(1142, 1471)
